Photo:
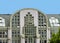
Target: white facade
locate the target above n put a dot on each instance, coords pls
(54, 21)
(2, 21)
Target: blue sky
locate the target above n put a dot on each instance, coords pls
(46, 6)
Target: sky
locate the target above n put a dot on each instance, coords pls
(46, 6)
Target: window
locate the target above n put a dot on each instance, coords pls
(28, 19)
(40, 41)
(28, 12)
(41, 20)
(0, 35)
(45, 31)
(0, 19)
(45, 41)
(3, 34)
(39, 31)
(26, 15)
(30, 15)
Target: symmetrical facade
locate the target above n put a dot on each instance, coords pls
(28, 26)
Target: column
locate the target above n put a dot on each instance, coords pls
(9, 35)
(38, 36)
(37, 40)
(48, 35)
(22, 38)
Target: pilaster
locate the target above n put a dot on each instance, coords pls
(9, 35)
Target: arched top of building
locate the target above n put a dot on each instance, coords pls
(18, 11)
(29, 9)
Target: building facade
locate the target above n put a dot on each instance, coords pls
(28, 26)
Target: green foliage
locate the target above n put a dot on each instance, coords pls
(55, 38)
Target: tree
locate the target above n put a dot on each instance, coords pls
(55, 37)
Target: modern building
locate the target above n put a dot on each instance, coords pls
(28, 26)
